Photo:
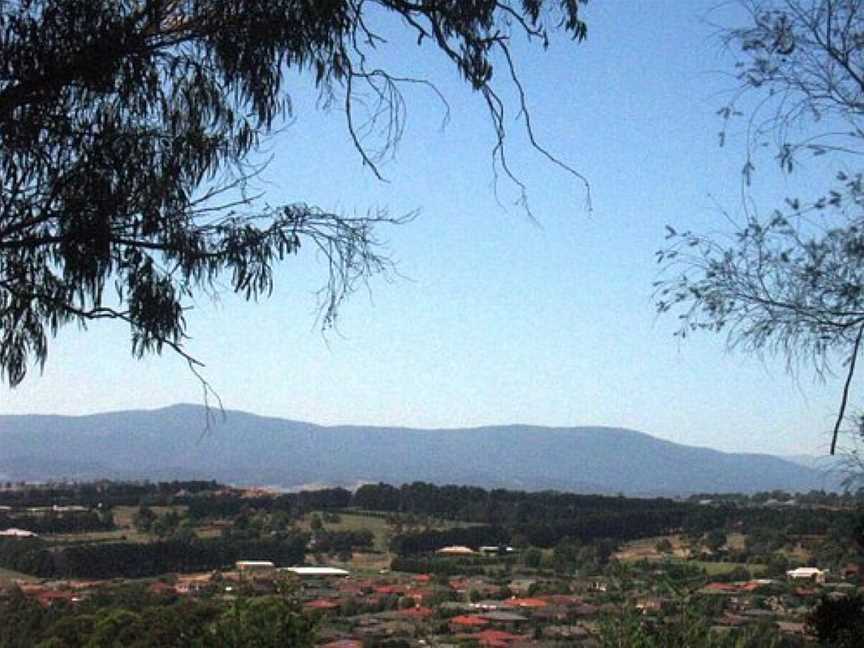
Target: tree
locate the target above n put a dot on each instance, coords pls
(792, 281)
(838, 622)
(663, 546)
(714, 540)
(144, 519)
(126, 130)
(263, 621)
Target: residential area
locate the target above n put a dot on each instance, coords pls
(420, 565)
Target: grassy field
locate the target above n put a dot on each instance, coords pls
(125, 531)
(645, 549)
(123, 514)
(8, 576)
(356, 522)
(719, 568)
(118, 535)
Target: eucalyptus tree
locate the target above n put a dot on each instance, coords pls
(790, 281)
(127, 130)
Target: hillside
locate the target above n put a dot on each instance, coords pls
(168, 443)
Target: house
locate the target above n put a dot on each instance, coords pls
(161, 588)
(255, 567)
(316, 572)
(455, 550)
(418, 613)
(467, 622)
(495, 550)
(321, 605)
(649, 605)
(525, 603)
(505, 620)
(566, 632)
(195, 583)
(812, 574)
(852, 571)
(50, 597)
(522, 585)
(598, 585)
(17, 533)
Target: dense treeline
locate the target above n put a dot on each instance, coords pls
(793, 520)
(498, 507)
(440, 566)
(294, 504)
(336, 541)
(135, 560)
(134, 618)
(77, 522)
(106, 493)
(426, 541)
(588, 527)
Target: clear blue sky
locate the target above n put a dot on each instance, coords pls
(501, 320)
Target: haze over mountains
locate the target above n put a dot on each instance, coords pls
(169, 443)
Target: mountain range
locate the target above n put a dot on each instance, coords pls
(242, 448)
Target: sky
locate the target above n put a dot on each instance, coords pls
(496, 318)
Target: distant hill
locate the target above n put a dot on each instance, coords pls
(247, 449)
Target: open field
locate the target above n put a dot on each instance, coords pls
(719, 568)
(356, 522)
(646, 549)
(123, 515)
(118, 535)
(8, 576)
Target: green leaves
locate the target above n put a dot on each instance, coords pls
(125, 126)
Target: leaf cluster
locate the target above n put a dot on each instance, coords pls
(126, 129)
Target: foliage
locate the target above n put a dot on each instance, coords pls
(838, 622)
(791, 282)
(126, 130)
(266, 622)
(133, 560)
(137, 622)
(628, 629)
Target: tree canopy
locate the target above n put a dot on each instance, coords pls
(789, 281)
(126, 129)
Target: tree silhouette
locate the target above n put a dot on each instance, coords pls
(790, 281)
(126, 128)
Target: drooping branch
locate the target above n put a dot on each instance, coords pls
(126, 129)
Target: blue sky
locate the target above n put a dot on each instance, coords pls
(498, 319)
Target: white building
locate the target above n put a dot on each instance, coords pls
(455, 550)
(17, 533)
(254, 566)
(807, 573)
(316, 571)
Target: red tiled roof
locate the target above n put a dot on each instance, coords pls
(390, 589)
(721, 587)
(321, 604)
(162, 588)
(423, 578)
(48, 598)
(525, 603)
(417, 612)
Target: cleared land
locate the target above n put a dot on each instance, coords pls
(8, 576)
